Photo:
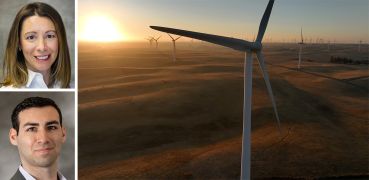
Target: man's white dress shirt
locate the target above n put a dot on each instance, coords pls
(27, 176)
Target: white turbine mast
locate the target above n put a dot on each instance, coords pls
(174, 46)
(300, 52)
(191, 43)
(329, 45)
(249, 48)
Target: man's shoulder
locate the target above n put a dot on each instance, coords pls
(18, 176)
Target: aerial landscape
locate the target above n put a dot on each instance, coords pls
(166, 108)
(180, 119)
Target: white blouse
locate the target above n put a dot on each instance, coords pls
(35, 80)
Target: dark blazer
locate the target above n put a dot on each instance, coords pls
(18, 176)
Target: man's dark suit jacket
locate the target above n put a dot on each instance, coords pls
(18, 176)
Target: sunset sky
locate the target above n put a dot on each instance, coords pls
(129, 20)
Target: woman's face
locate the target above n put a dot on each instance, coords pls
(39, 43)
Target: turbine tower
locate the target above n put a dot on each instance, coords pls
(156, 41)
(191, 43)
(249, 48)
(174, 46)
(300, 52)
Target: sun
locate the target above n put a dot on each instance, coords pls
(100, 28)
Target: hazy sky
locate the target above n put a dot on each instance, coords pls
(340, 20)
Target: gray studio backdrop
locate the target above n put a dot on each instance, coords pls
(9, 158)
(9, 9)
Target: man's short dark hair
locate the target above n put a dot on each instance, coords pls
(30, 103)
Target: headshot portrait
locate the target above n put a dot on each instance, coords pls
(37, 135)
(37, 49)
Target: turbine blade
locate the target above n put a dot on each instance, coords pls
(264, 21)
(178, 38)
(267, 83)
(170, 36)
(237, 44)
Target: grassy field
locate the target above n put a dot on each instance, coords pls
(141, 115)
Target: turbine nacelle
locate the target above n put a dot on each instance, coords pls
(256, 46)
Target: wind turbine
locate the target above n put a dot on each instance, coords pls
(156, 41)
(150, 39)
(360, 45)
(249, 48)
(174, 46)
(300, 44)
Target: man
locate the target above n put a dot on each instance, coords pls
(38, 133)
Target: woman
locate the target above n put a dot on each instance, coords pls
(37, 54)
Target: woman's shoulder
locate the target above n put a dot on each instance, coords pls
(9, 86)
(2, 87)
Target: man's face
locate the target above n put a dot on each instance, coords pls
(40, 136)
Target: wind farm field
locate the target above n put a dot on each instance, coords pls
(143, 116)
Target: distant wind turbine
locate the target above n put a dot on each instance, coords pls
(300, 52)
(174, 46)
(360, 45)
(150, 39)
(156, 41)
(249, 48)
